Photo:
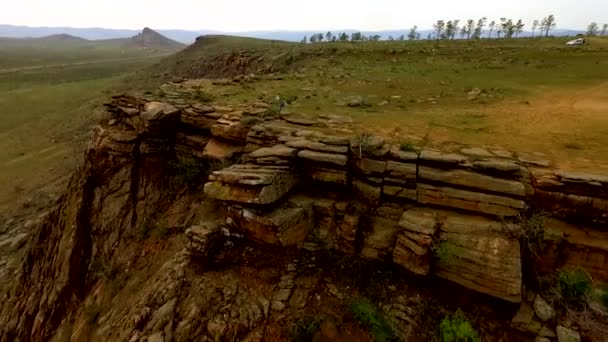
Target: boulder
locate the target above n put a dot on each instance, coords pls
(221, 150)
(285, 225)
(199, 238)
(231, 127)
(379, 237)
(543, 310)
(567, 335)
(478, 254)
(404, 255)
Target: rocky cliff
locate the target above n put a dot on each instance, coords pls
(255, 203)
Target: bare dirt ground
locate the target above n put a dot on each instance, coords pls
(567, 125)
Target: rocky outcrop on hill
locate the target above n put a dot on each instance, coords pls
(285, 183)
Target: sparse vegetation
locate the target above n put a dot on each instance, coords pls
(370, 316)
(160, 231)
(203, 96)
(92, 312)
(529, 229)
(305, 328)
(408, 147)
(188, 171)
(572, 288)
(456, 328)
(445, 252)
(605, 297)
(363, 142)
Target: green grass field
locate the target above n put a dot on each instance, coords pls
(49, 93)
(537, 95)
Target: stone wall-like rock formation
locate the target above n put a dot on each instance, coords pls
(299, 183)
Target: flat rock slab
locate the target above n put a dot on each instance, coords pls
(221, 150)
(321, 157)
(443, 158)
(400, 192)
(298, 120)
(317, 146)
(469, 200)
(281, 151)
(262, 185)
(402, 171)
(467, 179)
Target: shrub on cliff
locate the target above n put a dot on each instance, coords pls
(456, 328)
(305, 328)
(370, 316)
(188, 171)
(605, 297)
(573, 287)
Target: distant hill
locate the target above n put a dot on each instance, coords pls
(188, 37)
(151, 39)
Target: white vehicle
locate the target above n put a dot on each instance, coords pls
(579, 41)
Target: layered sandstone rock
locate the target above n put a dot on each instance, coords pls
(572, 195)
(477, 253)
(401, 175)
(413, 248)
(481, 183)
(251, 184)
(285, 225)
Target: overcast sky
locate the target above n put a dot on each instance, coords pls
(249, 15)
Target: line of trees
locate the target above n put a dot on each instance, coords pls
(471, 29)
(594, 29)
(505, 28)
(343, 37)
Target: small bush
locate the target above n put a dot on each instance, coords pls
(203, 96)
(143, 232)
(530, 230)
(305, 328)
(605, 297)
(188, 171)
(370, 316)
(573, 287)
(408, 147)
(456, 328)
(363, 141)
(92, 312)
(444, 252)
(160, 232)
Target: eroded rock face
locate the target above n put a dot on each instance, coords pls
(442, 213)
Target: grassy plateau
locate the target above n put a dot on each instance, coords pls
(526, 95)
